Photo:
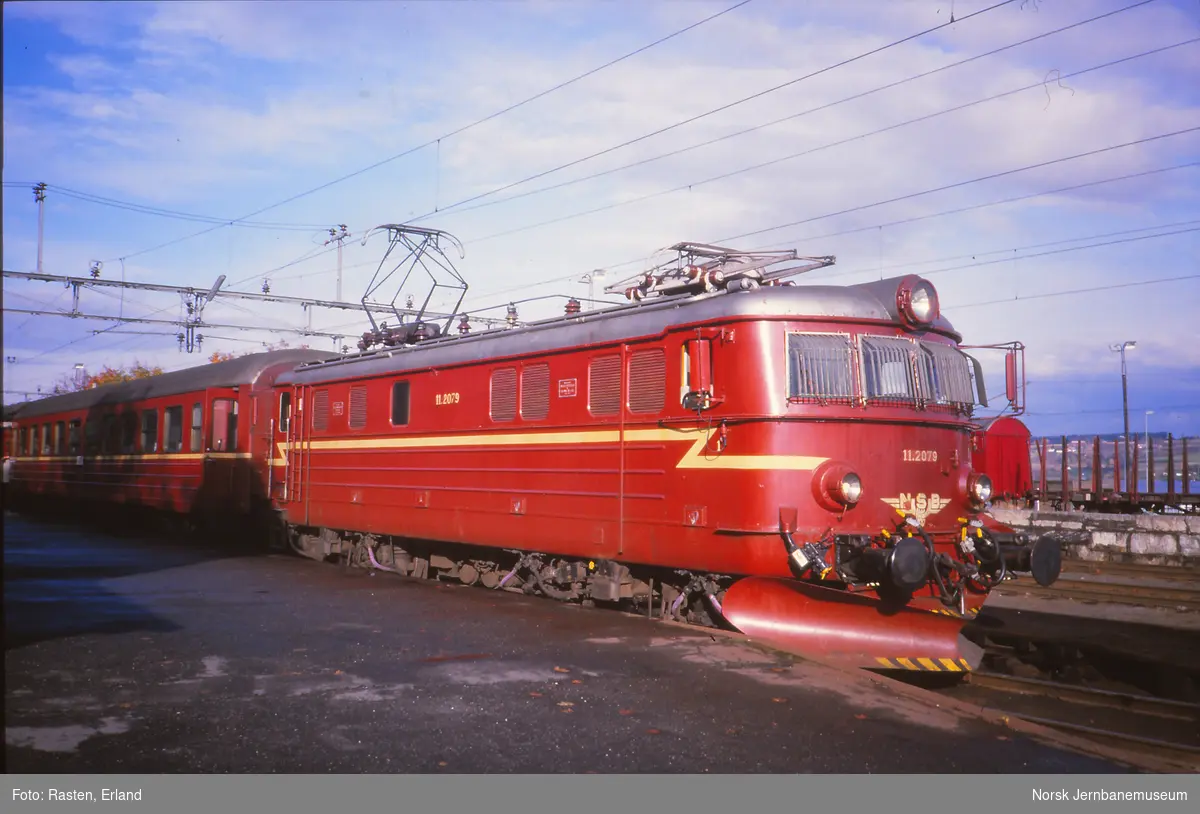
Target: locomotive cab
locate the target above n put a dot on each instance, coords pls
(862, 428)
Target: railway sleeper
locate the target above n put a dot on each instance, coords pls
(683, 596)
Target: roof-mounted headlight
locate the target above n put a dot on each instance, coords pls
(917, 301)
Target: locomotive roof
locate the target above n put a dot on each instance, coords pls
(866, 301)
(242, 370)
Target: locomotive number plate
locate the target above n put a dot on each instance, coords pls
(445, 398)
(920, 455)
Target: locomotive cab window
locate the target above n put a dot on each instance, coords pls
(945, 376)
(819, 367)
(400, 406)
(887, 363)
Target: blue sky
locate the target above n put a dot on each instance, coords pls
(222, 109)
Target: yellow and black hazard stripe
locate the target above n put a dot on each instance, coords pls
(925, 665)
(970, 612)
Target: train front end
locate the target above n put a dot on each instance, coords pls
(885, 546)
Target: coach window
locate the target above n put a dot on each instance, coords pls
(285, 411)
(150, 431)
(73, 439)
(31, 447)
(46, 448)
(400, 404)
(112, 435)
(60, 437)
(224, 426)
(129, 433)
(173, 429)
(91, 436)
(197, 437)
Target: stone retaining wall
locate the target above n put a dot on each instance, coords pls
(1147, 538)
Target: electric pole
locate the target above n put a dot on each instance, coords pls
(39, 195)
(337, 237)
(1121, 348)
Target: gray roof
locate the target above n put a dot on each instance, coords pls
(867, 301)
(242, 370)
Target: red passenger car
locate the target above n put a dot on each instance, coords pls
(189, 442)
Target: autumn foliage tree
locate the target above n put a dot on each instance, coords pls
(107, 375)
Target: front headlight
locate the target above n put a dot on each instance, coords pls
(924, 302)
(981, 489)
(917, 301)
(851, 488)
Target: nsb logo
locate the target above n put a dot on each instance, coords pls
(919, 505)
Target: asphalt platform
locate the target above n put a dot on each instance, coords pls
(141, 653)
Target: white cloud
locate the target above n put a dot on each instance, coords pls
(224, 108)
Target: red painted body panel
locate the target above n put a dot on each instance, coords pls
(567, 484)
(204, 475)
(851, 630)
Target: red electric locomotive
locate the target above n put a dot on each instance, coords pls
(730, 448)
(793, 461)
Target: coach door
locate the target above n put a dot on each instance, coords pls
(296, 466)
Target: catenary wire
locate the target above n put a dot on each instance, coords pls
(690, 186)
(794, 116)
(439, 139)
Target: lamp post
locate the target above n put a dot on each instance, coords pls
(1121, 348)
(78, 374)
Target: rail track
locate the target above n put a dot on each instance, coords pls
(1158, 734)
(1082, 569)
(1152, 586)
